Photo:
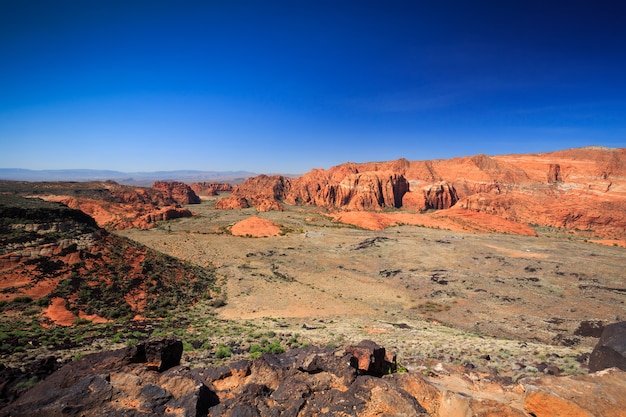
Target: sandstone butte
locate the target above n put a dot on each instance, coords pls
(580, 189)
(256, 227)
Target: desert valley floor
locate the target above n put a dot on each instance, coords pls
(497, 301)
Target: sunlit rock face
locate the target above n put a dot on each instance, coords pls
(579, 189)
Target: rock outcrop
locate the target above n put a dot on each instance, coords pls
(164, 214)
(354, 191)
(147, 380)
(610, 352)
(554, 174)
(61, 255)
(578, 189)
(438, 196)
(97, 383)
(177, 191)
(597, 394)
(256, 227)
(371, 190)
(210, 188)
(263, 192)
(116, 206)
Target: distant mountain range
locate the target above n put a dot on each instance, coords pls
(129, 178)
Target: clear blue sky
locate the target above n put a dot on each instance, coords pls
(273, 86)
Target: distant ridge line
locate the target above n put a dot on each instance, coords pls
(128, 178)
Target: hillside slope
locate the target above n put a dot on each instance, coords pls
(58, 266)
(113, 206)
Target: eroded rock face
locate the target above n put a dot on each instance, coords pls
(310, 381)
(370, 191)
(166, 213)
(232, 203)
(178, 191)
(577, 189)
(117, 207)
(263, 192)
(440, 196)
(50, 245)
(554, 174)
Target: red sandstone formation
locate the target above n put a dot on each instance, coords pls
(178, 191)
(255, 226)
(577, 189)
(262, 192)
(60, 253)
(210, 188)
(232, 203)
(117, 207)
(166, 213)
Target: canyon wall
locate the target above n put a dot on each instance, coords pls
(579, 189)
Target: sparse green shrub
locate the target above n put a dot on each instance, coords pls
(223, 351)
(43, 302)
(23, 300)
(432, 307)
(27, 384)
(81, 321)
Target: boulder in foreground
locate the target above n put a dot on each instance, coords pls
(146, 380)
(610, 352)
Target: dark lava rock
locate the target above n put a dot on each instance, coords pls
(85, 387)
(589, 328)
(162, 353)
(370, 359)
(15, 381)
(610, 352)
(143, 380)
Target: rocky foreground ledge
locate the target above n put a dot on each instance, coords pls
(362, 380)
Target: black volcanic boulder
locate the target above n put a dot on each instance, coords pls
(162, 353)
(107, 383)
(610, 352)
(368, 358)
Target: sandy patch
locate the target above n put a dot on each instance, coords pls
(94, 318)
(365, 219)
(514, 253)
(255, 226)
(57, 312)
(372, 331)
(474, 221)
(610, 242)
(459, 220)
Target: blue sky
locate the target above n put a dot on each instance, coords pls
(273, 86)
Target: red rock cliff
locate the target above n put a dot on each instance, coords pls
(263, 192)
(574, 189)
(178, 191)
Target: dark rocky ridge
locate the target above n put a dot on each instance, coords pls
(148, 380)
